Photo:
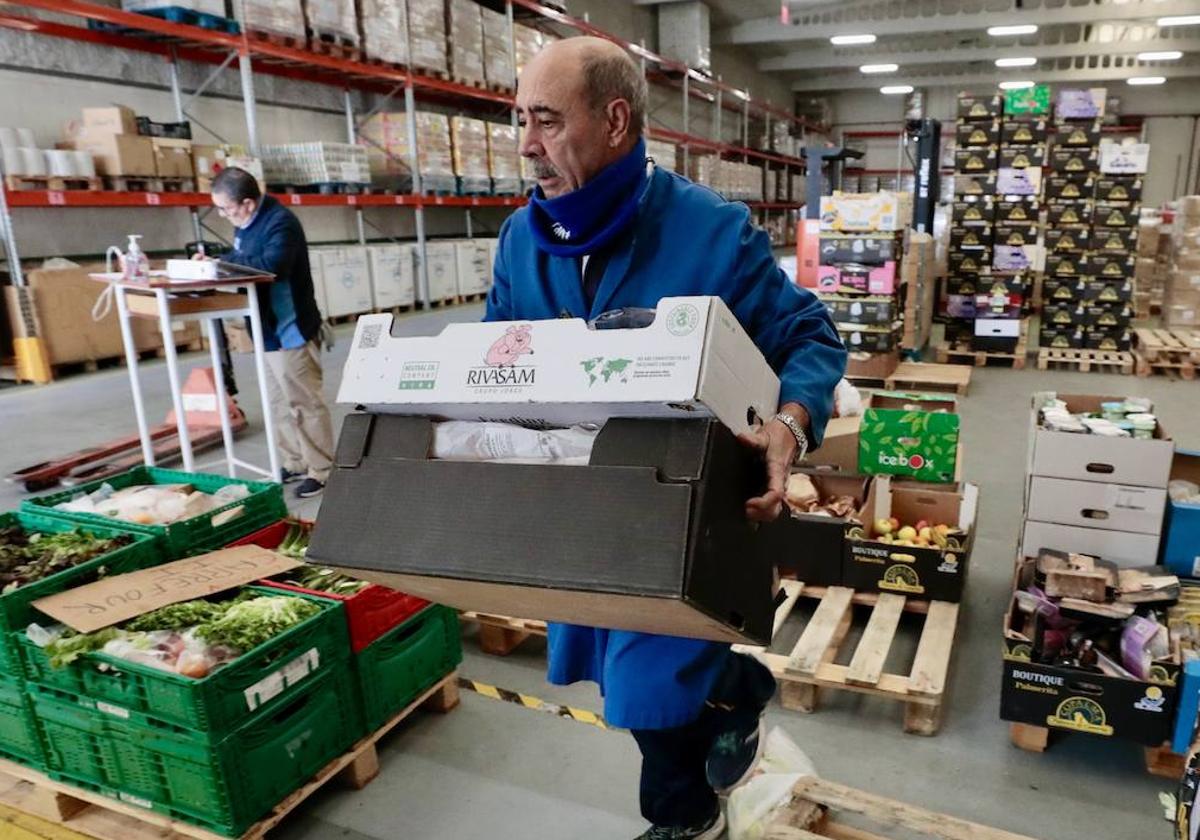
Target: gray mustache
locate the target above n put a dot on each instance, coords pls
(542, 169)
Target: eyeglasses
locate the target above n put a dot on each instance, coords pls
(227, 210)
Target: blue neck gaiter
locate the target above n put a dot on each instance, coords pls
(585, 220)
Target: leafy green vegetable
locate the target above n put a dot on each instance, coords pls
(27, 557)
(322, 579)
(179, 616)
(248, 624)
(70, 646)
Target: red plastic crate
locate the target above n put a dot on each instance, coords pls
(370, 612)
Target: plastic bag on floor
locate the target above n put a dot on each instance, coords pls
(753, 805)
(462, 440)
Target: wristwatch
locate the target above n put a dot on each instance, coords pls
(797, 432)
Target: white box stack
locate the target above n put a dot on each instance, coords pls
(1093, 494)
(392, 275)
(319, 162)
(316, 268)
(473, 269)
(441, 258)
(346, 276)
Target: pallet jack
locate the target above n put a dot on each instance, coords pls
(117, 456)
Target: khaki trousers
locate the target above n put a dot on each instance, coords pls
(303, 428)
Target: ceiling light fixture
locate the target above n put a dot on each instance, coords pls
(1145, 80)
(1179, 20)
(850, 40)
(1024, 61)
(1015, 85)
(1165, 55)
(891, 90)
(879, 68)
(1015, 29)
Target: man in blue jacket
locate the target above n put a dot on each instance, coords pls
(269, 237)
(605, 229)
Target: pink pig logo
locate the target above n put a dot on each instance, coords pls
(510, 346)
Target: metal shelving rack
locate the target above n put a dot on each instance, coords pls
(175, 42)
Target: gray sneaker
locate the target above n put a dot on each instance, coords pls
(308, 488)
(710, 830)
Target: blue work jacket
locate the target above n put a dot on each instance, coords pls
(686, 240)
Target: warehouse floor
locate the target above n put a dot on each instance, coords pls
(495, 770)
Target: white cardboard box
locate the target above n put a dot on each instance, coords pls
(1091, 504)
(316, 266)
(878, 211)
(474, 270)
(1121, 547)
(347, 280)
(392, 275)
(442, 259)
(1124, 159)
(1083, 457)
(693, 360)
(998, 327)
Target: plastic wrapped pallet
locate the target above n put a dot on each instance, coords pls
(466, 41)
(427, 34)
(204, 7)
(277, 17)
(470, 143)
(433, 147)
(385, 29)
(527, 43)
(664, 154)
(497, 59)
(385, 136)
(332, 18)
(319, 162)
(504, 161)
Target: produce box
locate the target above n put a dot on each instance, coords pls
(252, 687)
(1068, 265)
(975, 161)
(1059, 290)
(934, 571)
(1124, 548)
(394, 669)
(866, 212)
(984, 184)
(1065, 240)
(1070, 160)
(862, 250)
(850, 277)
(1017, 258)
(809, 545)
(970, 262)
(1012, 181)
(16, 612)
(1107, 315)
(1077, 133)
(977, 212)
(1115, 240)
(1004, 285)
(910, 434)
(869, 339)
(1114, 188)
(1113, 266)
(223, 784)
(1023, 132)
(1080, 103)
(1116, 216)
(210, 530)
(1034, 100)
(370, 613)
(1114, 340)
(998, 335)
(1061, 337)
(1091, 504)
(977, 134)
(1070, 186)
(871, 366)
(851, 309)
(1017, 210)
(1104, 290)
(19, 739)
(1181, 533)
(1023, 157)
(1124, 158)
(1016, 233)
(972, 107)
(970, 238)
(1064, 213)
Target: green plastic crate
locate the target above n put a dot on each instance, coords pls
(251, 687)
(224, 784)
(263, 506)
(18, 728)
(16, 611)
(395, 668)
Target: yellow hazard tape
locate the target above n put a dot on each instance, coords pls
(536, 704)
(18, 825)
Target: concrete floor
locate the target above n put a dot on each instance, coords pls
(494, 770)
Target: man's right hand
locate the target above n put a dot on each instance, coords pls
(198, 257)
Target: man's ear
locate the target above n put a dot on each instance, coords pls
(616, 115)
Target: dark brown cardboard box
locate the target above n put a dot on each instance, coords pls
(1119, 188)
(1077, 134)
(1023, 157)
(1069, 213)
(810, 546)
(1015, 233)
(1115, 216)
(975, 161)
(1115, 240)
(970, 238)
(1075, 160)
(972, 107)
(977, 134)
(1023, 132)
(981, 211)
(120, 154)
(1017, 210)
(1064, 240)
(984, 184)
(1073, 186)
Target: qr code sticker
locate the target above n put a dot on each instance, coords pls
(370, 337)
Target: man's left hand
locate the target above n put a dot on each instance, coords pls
(778, 445)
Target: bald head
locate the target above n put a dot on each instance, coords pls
(582, 102)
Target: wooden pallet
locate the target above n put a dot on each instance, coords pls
(60, 369)
(1167, 351)
(1160, 761)
(58, 183)
(95, 815)
(810, 667)
(813, 810)
(279, 39)
(335, 46)
(919, 376)
(500, 635)
(963, 354)
(1085, 361)
(475, 298)
(130, 183)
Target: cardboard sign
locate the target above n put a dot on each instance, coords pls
(113, 600)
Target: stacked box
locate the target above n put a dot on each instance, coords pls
(504, 160)
(278, 17)
(332, 18)
(465, 34)
(469, 138)
(1181, 296)
(663, 153)
(497, 57)
(427, 33)
(385, 137)
(321, 162)
(735, 181)
(385, 30)
(527, 42)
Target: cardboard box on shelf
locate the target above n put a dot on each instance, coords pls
(1071, 160)
(866, 212)
(465, 37)
(1023, 157)
(1124, 158)
(1018, 258)
(911, 435)
(1023, 131)
(977, 211)
(975, 161)
(932, 572)
(1017, 210)
(1061, 337)
(470, 144)
(1145, 270)
(1068, 265)
(497, 60)
(1181, 532)
(970, 238)
(1072, 186)
(559, 549)
(1016, 233)
(1091, 504)
(427, 33)
(1107, 315)
(173, 158)
(120, 154)
(1073, 213)
(1115, 240)
(997, 335)
(813, 546)
(1109, 266)
(972, 107)
(1063, 313)
(559, 372)
(385, 30)
(1033, 100)
(111, 119)
(332, 18)
(970, 262)
(1119, 188)
(977, 134)
(392, 275)
(504, 161)
(347, 280)
(1113, 340)
(1115, 216)
(1065, 240)
(1077, 133)
(1102, 290)
(277, 17)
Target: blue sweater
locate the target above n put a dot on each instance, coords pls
(274, 241)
